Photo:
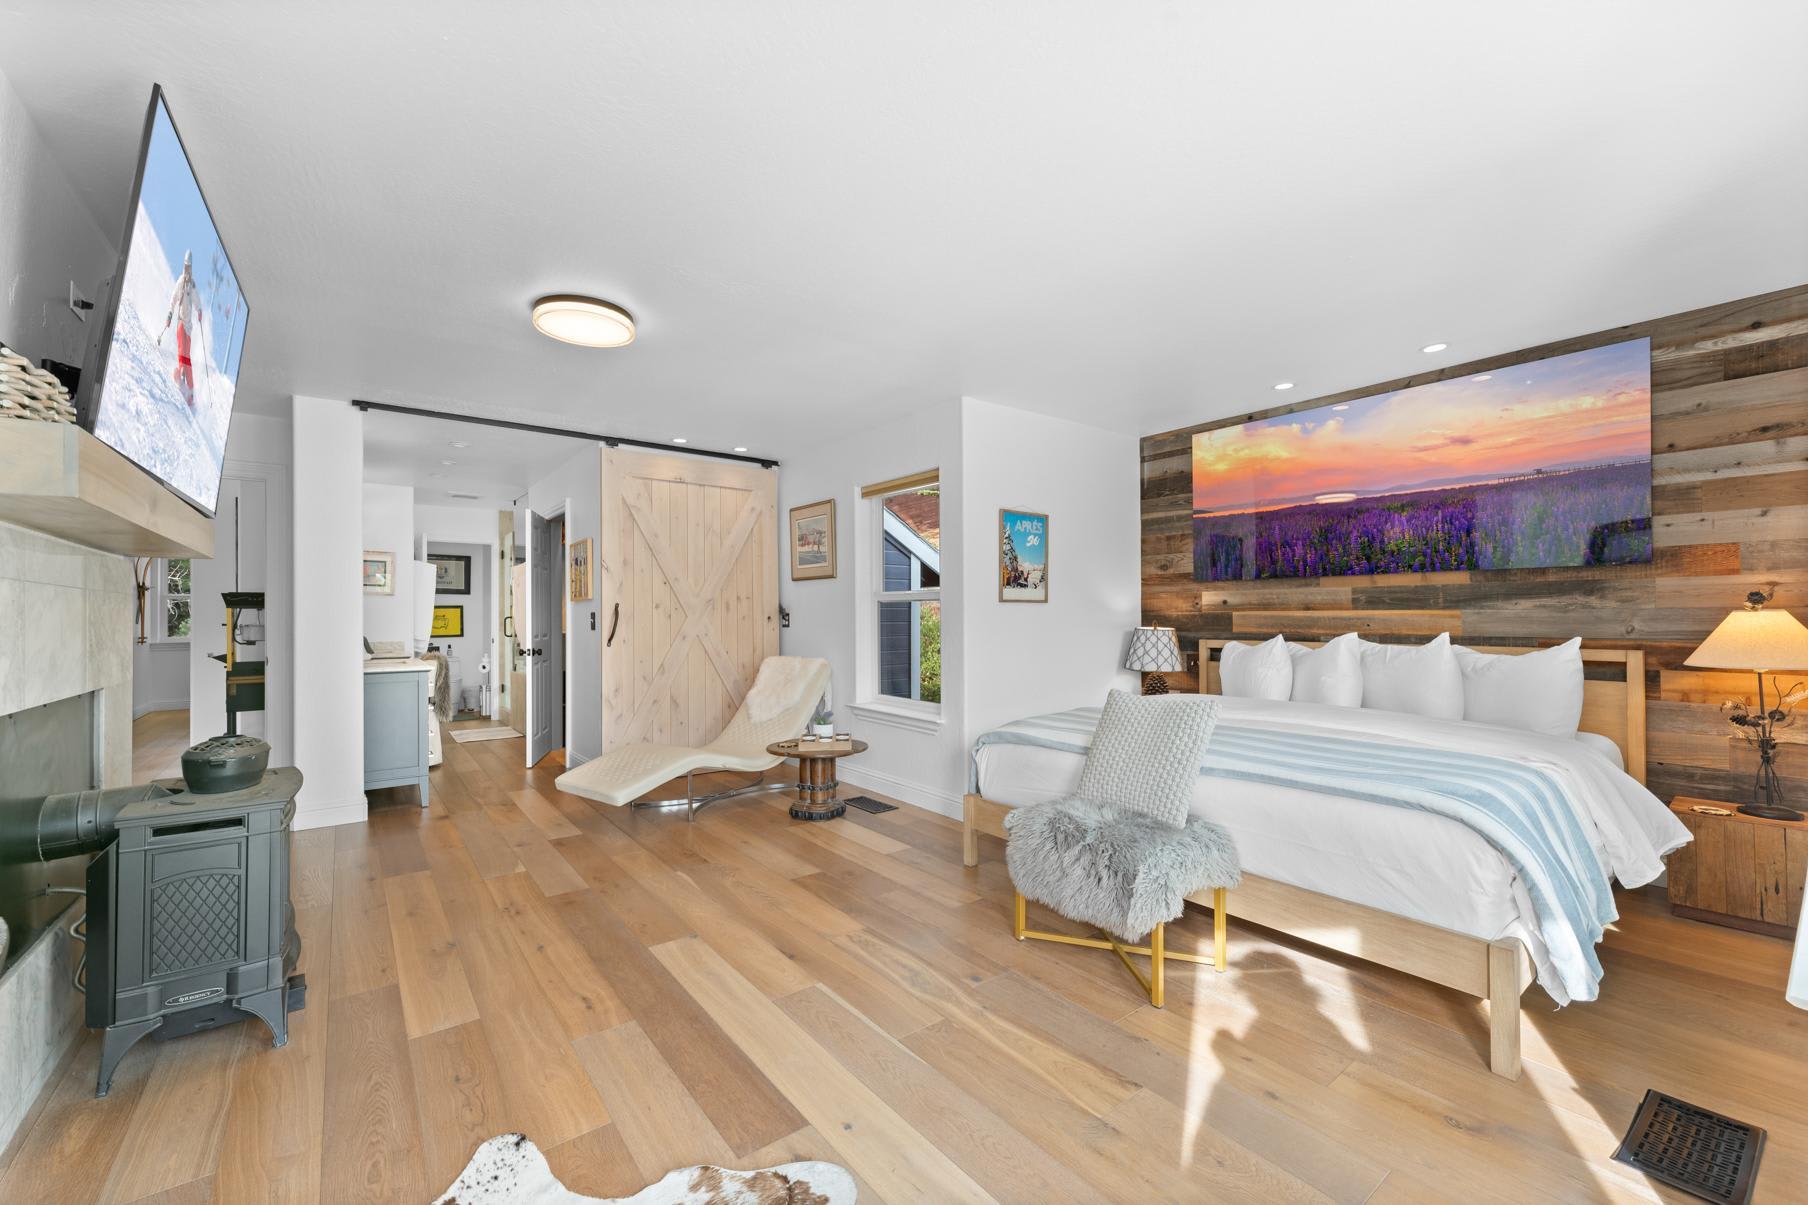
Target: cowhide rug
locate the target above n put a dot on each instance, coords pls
(510, 1170)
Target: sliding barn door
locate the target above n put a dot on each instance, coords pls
(688, 593)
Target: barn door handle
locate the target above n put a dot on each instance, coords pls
(614, 622)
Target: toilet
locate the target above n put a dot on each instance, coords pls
(453, 679)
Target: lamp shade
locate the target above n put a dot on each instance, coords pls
(1153, 651)
(1754, 640)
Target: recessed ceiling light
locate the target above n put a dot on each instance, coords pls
(1341, 406)
(680, 440)
(1285, 385)
(459, 443)
(740, 449)
(1429, 348)
(436, 474)
(462, 494)
(1483, 377)
(585, 321)
(448, 462)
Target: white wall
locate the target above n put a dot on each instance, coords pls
(1025, 658)
(1000, 661)
(469, 531)
(470, 649)
(159, 668)
(328, 526)
(47, 238)
(576, 484)
(388, 526)
(922, 763)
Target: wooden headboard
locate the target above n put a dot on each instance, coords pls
(1613, 707)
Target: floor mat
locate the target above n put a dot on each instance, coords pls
(482, 734)
(867, 803)
(1697, 1150)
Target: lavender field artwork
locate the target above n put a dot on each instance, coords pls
(1541, 464)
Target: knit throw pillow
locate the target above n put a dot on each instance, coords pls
(1146, 752)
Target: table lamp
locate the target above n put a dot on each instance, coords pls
(1153, 651)
(1761, 641)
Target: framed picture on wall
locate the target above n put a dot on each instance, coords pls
(813, 541)
(580, 570)
(451, 574)
(379, 572)
(448, 621)
(1022, 556)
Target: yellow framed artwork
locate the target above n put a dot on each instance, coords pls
(580, 570)
(448, 621)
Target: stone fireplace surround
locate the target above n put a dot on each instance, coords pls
(66, 616)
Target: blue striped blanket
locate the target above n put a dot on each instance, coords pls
(1521, 810)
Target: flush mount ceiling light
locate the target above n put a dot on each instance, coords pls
(680, 440)
(585, 321)
(1484, 377)
(1284, 385)
(740, 449)
(1433, 348)
(459, 443)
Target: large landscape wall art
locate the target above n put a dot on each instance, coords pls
(1540, 464)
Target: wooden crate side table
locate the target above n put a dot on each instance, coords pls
(816, 781)
(1742, 871)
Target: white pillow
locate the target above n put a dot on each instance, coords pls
(1256, 671)
(1332, 674)
(1421, 679)
(1539, 692)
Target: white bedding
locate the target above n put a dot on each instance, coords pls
(1411, 863)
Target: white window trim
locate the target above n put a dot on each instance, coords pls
(869, 576)
(157, 605)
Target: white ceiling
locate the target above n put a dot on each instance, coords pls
(1133, 214)
(496, 465)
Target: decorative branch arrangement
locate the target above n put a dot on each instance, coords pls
(141, 570)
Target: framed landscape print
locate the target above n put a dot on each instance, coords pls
(379, 572)
(1534, 465)
(451, 574)
(1022, 556)
(580, 570)
(813, 541)
(448, 621)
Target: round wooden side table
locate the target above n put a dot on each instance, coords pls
(816, 781)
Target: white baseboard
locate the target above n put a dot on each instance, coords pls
(933, 799)
(326, 815)
(143, 709)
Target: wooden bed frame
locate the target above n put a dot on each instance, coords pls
(1495, 971)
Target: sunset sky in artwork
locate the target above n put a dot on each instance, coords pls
(1588, 407)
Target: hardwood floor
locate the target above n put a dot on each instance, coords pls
(637, 993)
(158, 739)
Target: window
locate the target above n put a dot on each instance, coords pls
(173, 613)
(907, 592)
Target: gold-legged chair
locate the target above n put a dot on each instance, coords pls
(1155, 982)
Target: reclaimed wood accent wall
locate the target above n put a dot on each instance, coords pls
(1729, 435)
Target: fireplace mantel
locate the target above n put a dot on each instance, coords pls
(58, 479)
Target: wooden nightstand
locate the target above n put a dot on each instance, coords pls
(1741, 871)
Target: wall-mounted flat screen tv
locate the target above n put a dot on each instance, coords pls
(159, 387)
(1537, 464)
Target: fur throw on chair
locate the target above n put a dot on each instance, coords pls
(1109, 866)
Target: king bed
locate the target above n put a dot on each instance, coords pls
(1475, 856)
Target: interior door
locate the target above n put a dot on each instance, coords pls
(687, 586)
(543, 685)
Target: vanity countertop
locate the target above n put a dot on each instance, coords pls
(395, 667)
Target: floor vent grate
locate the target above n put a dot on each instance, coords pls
(1698, 1151)
(867, 803)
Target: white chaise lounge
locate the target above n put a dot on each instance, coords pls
(777, 707)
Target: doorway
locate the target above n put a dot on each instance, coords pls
(548, 671)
